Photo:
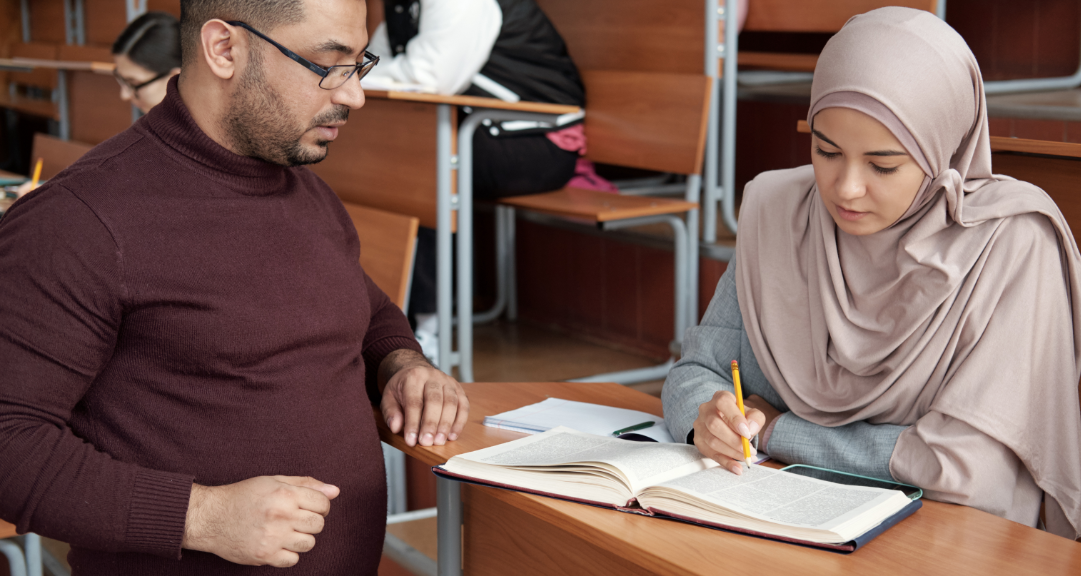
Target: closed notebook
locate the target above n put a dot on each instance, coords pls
(674, 481)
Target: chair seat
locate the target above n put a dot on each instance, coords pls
(597, 206)
(7, 530)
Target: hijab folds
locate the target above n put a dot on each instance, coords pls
(967, 309)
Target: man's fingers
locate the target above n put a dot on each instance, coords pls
(329, 490)
(284, 559)
(300, 543)
(461, 417)
(412, 393)
(392, 412)
(433, 410)
(308, 523)
(448, 415)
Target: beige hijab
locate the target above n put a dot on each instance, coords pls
(967, 307)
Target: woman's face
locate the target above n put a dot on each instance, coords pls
(865, 177)
(131, 75)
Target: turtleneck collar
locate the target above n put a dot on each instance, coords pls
(172, 123)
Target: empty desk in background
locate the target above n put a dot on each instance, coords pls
(401, 153)
(506, 532)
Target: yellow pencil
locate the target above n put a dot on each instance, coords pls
(739, 402)
(37, 174)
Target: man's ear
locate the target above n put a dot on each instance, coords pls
(219, 46)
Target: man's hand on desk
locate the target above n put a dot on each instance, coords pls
(423, 404)
(264, 521)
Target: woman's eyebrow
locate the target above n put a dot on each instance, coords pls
(822, 137)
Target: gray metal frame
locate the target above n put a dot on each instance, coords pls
(721, 138)
(25, 561)
(135, 8)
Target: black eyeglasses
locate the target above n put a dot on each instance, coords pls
(124, 83)
(332, 77)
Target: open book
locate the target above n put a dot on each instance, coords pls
(673, 480)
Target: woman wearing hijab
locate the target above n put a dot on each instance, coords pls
(896, 309)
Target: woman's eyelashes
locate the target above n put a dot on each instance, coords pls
(881, 170)
(826, 155)
(832, 155)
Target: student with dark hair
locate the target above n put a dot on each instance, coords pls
(189, 368)
(147, 55)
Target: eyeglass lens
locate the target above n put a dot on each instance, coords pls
(338, 75)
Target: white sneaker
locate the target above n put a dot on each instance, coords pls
(428, 337)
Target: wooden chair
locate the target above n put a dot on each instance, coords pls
(654, 121)
(21, 563)
(56, 153)
(807, 16)
(388, 243)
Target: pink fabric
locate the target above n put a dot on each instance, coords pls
(572, 139)
(585, 176)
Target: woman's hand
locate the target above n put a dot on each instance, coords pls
(720, 428)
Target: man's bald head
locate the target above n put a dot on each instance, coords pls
(263, 15)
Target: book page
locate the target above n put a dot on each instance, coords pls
(782, 497)
(643, 463)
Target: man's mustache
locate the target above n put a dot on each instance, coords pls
(338, 114)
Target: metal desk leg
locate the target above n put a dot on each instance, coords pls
(728, 120)
(711, 193)
(465, 256)
(14, 556)
(443, 239)
(32, 545)
(449, 526)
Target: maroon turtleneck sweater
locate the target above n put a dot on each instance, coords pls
(171, 312)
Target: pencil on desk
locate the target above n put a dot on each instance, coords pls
(37, 174)
(739, 402)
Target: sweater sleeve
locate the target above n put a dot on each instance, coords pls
(388, 331)
(61, 307)
(708, 350)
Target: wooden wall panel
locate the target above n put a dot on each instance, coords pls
(816, 15)
(641, 35)
(97, 112)
(105, 20)
(170, 6)
(47, 21)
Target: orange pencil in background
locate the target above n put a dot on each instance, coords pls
(739, 402)
(37, 174)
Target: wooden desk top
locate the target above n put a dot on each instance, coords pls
(32, 63)
(474, 101)
(938, 539)
(6, 530)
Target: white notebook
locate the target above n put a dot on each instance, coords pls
(581, 416)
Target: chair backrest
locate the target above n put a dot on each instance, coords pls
(649, 120)
(387, 246)
(7, 530)
(58, 154)
(816, 15)
(365, 162)
(632, 35)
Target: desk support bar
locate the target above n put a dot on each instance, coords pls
(449, 526)
(443, 239)
(465, 226)
(15, 557)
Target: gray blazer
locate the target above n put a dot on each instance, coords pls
(708, 351)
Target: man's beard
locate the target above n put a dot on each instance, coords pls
(256, 122)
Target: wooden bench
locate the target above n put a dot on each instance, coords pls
(653, 121)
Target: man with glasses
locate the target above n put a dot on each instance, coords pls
(190, 348)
